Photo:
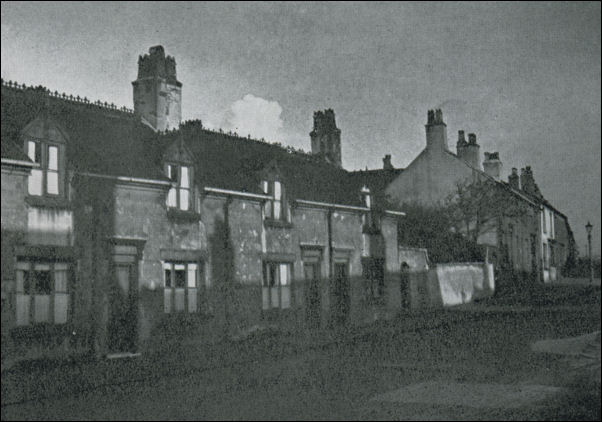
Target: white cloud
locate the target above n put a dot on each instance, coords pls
(256, 116)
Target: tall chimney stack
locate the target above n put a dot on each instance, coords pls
(492, 164)
(387, 162)
(436, 131)
(513, 179)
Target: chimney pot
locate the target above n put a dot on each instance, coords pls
(387, 162)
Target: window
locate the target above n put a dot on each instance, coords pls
(276, 208)
(44, 180)
(276, 290)
(374, 277)
(544, 222)
(181, 282)
(546, 256)
(179, 195)
(366, 198)
(42, 293)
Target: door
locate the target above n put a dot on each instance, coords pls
(122, 332)
(341, 300)
(312, 286)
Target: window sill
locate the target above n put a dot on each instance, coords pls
(58, 202)
(270, 222)
(182, 216)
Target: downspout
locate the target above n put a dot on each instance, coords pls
(330, 247)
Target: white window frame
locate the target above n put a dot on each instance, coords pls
(39, 180)
(276, 208)
(182, 189)
(276, 285)
(181, 299)
(33, 306)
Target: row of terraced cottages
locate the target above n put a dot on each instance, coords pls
(116, 235)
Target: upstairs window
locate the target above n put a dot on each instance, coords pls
(276, 208)
(179, 195)
(366, 197)
(46, 179)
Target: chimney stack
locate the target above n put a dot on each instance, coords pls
(436, 131)
(387, 162)
(513, 179)
(468, 151)
(326, 137)
(492, 164)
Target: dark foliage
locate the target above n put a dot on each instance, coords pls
(430, 228)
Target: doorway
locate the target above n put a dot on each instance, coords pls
(123, 309)
(341, 300)
(312, 286)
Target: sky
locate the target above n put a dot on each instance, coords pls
(525, 77)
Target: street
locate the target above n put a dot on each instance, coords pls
(465, 363)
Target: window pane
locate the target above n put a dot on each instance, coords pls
(184, 199)
(184, 178)
(179, 300)
(266, 187)
(192, 300)
(368, 201)
(167, 300)
(167, 274)
(284, 274)
(42, 281)
(23, 302)
(53, 158)
(272, 278)
(265, 296)
(60, 281)
(172, 173)
(180, 276)
(61, 305)
(32, 151)
(275, 300)
(277, 191)
(52, 182)
(20, 287)
(277, 209)
(192, 275)
(286, 297)
(268, 209)
(41, 308)
(34, 182)
(171, 198)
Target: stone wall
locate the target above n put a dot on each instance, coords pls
(451, 284)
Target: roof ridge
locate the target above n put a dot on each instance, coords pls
(232, 135)
(42, 90)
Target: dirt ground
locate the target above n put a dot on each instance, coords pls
(471, 363)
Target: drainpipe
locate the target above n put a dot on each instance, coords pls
(330, 247)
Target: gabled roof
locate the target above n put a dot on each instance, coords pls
(110, 141)
(377, 181)
(102, 139)
(230, 162)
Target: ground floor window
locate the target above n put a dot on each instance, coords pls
(374, 277)
(42, 294)
(276, 290)
(181, 286)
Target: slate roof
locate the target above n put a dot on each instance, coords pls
(101, 140)
(111, 141)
